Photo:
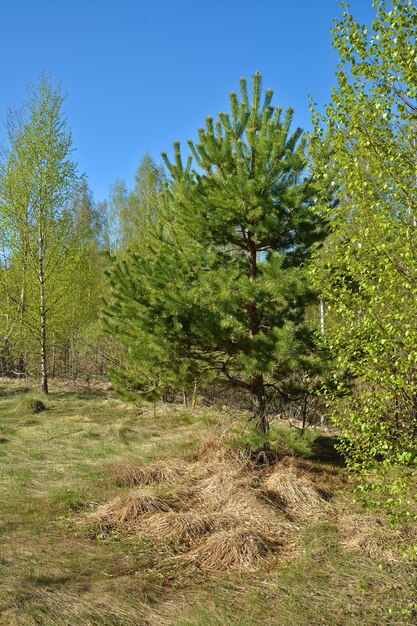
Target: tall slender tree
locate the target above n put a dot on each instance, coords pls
(142, 202)
(37, 178)
(84, 281)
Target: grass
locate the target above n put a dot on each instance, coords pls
(281, 439)
(111, 516)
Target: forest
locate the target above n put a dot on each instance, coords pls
(251, 304)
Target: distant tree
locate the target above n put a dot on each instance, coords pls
(89, 217)
(141, 208)
(37, 179)
(84, 281)
(116, 208)
(132, 211)
(220, 290)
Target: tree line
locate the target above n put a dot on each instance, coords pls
(220, 266)
(56, 245)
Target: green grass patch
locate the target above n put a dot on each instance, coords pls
(280, 439)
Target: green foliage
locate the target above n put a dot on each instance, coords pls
(37, 179)
(280, 439)
(51, 240)
(131, 212)
(365, 149)
(219, 289)
(393, 488)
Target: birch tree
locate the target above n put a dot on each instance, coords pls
(37, 178)
(367, 272)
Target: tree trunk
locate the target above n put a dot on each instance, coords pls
(194, 397)
(322, 322)
(44, 370)
(53, 358)
(304, 413)
(258, 403)
(42, 310)
(74, 365)
(257, 380)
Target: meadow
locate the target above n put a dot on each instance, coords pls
(118, 514)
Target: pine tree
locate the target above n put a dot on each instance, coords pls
(221, 290)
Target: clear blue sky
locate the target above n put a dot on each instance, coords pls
(141, 74)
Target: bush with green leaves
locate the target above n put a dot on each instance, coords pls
(365, 149)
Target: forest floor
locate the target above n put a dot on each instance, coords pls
(111, 515)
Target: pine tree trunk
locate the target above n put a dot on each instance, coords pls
(258, 403)
(257, 381)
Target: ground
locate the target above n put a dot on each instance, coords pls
(114, 514)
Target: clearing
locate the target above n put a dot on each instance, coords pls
(112, 515)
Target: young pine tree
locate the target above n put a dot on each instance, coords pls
(221, 290)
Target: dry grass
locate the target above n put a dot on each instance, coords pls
(224, 505)
(125, 511)
(173, 534)
(236, 496)
(56, 607)
(214, 451)
(295, 495)
(185, 527)
(220, 486)
(130, 474)
(239, 549)
(369, 535)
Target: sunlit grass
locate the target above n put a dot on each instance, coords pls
(54, 468)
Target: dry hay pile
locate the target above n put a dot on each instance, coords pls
(218, 489)
(227, 516)
(232, 549)
(126, 474)
(237, 498)
(184, 527)
(295, 495)
(125, 512)
(214, 451)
